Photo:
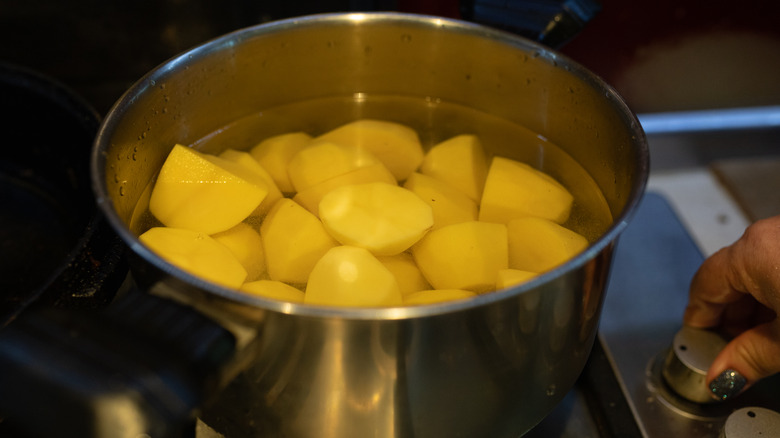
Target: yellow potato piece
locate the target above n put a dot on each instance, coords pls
(514, 189)
(467, 255)
(196, 253)
(433, 296)
(460, 162)
(293, 241)
(274, 154)
(394, 144)
(352, 276)
(247, 246)
(383, 218)
(273, 289)
(322, 161)
(310, 198)
(538, 245)
(449, 205)
(406, 272)
(246, 160)
(205, 193)
(512, 277)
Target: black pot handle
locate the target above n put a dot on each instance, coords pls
(140, 366)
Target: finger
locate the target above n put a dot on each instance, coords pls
(712, 290)
(751, 356)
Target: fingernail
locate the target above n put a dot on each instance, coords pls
(728, 384)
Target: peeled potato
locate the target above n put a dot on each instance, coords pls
(196, 253)
(538, 245)
(460, 162)
(293, 240)
(351, 276)
(512, 277)
(246, 160)
(274, 154)
(322, 161)
(514, 189)
(467, 255)
(247, 246)
(395, 145)
(201, 192)
(383, 218)
(432, 296)
(310, 198)
(449, 205)
(273, 289)
(405, 270)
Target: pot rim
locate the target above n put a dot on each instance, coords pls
(104, 202)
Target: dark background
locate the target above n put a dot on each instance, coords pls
(660, 54)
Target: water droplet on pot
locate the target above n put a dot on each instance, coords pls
(551, 390)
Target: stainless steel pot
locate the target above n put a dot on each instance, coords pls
(492, 366)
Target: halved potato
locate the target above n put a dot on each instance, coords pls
(351, 276)
(273, 289)
(394, 144)
(205, 193)
(196, 253)
(274, 154)
(467, 255)
(514, 189)
(460, 162)
(293, 240)
(324, 160)
(538, 245)
(383, 218)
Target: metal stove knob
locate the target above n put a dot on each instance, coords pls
(687, 362)
(751, 422)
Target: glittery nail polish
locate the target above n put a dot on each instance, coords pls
(728, 384)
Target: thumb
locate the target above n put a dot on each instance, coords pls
(748, 358)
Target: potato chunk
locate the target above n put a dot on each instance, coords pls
(273, 289)
(514, 189)
(433, 296)
(460, 162)
(538, 245)
(405, 270)
(512, 277)
(205, 193)
(383, 218)
(352, 276)
(293, 240)
(322, 161)
(449, 205)
(196, 253)
(246, 160)
(274, 155)
(310, 198)
(467, 255)
(395, 145)
(247, 246)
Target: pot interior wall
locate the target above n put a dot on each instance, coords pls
(250, 72)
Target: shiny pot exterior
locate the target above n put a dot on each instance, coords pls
(492, 366)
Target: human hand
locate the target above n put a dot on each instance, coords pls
(737, 290)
